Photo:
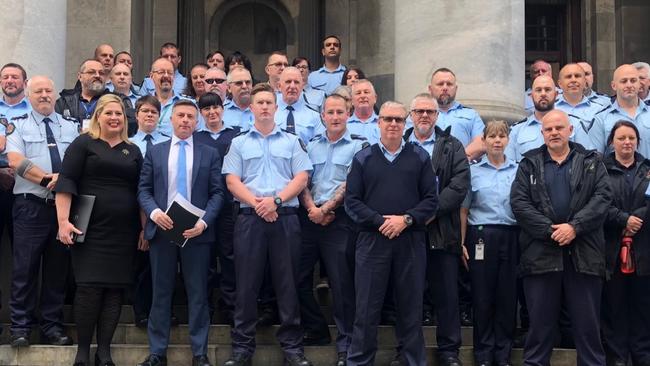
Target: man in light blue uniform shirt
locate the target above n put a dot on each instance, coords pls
(293, 115)
(627, 106)
(466, 124)
(13, 103)
(147, 110)
(526, 134)
(171, 52)
(122, 83)
(236, 112)
(328, 77)
(537, 69)
(572, 101)
(591, 94)
(644, 78)
(364, 120)
(162, 75)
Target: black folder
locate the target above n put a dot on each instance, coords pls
(183, 220)
(80, 212)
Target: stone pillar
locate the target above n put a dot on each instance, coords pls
(191, 33)
(310, 31)
(481, 41)
(34, 35)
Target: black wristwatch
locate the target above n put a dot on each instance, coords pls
(408, 220)
(277, 200)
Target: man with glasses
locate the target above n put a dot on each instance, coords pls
(328, 77)
(215, 82)
(391, 243)
(276, 63)
(170, 52)
(80, 104)
(236, 110)
(162, 76)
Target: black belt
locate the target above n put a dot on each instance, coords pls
(280, 211)
(35, 198)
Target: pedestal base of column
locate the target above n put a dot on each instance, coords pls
(496, 110)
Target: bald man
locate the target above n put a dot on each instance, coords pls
(572, 80)
(537, 69)
(627, 106)
(589, 92)
(558, 198)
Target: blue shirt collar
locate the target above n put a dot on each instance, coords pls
(642, 107)
(223, 128)
(255, 131)
(40, 117)
(584, 100)
(430, 139)
(282, 105)
(323, 69)
(486, 162)
(22, 102)
(454, 105)
(373, 118)
(385, 151)
(347, 137)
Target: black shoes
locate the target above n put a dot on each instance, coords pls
(154, 360)
(466, 319)
(427, 318)
(297, 360)
(397, 360)
(201, 361)
(450, 361)
(484, 363)
(341, 359)
(267, 317)
(311, 339)
(19, 340)
(58, 339)
(99, 362)
(239, 360)
(142, 323)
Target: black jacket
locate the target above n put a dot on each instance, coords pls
(451, 168)
(620, 210)
(590, 199)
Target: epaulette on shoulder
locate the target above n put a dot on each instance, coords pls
(293, 133)
(355, 136)
(518, 122)
(602, 109)
(70, 118)
(571, 115)
(241, 132)
(647, 102)
(16, 118)
(311, 107)
(315, 138)
(164, 134)
(474, 162)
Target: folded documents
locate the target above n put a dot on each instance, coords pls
(184, 215)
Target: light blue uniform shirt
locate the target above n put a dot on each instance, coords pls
(368, 128)
(30, 140)
(332, 161)
(488, 199)
(427, 144)
(307, 122)
(266, 164)
(313, 97)
(215, 135)
(148, 87)
(389, 155)
(141, 143)
(604, 100)
(164, 121)
(465, 123)
(605, 120)
(326, 80)
(10, 111)
(233, 115)
(585, 110)
(527, 135)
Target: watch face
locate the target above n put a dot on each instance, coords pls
(278, 201)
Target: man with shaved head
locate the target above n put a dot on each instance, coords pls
(627, 106)
(293, 114)
(537, 69)
(572, 81)
(589, 92)
(558, 198)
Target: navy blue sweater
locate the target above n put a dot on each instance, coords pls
(377, 187)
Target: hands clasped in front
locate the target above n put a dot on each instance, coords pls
(393, 226)
(165, 222)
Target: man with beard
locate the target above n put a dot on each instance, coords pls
(328, 77)
(216, 82)
(363, 121)
(13, 102)
(526, 134)
(591, 94)
(236, 111)
(573, 100)
(170, 52)
(162, 76)
(292, 114)
(627, 106)
(537, 69)
(80, 104)
(644, 78)
(466, 124)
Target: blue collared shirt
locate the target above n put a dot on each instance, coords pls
(30, 140)
(313, 97)
(465, 123)
(326, 80)
(528, 100)
(10, 111)
(605, 120)
(148, 87)
(527, 135)
(332, 161)
(164, 121)
(427, 144)
(266, 164)
(488, 199)
(584, 110)
(368, 128)
(307, 121)
(389, 155)
(233, 116)
(141, 143)
(604, 100)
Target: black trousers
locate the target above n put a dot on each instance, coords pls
(222, 252)
(626, 317)
(333, 246)
(257, 242)
(582, 294)
(442, 275)
(494, 284)
(35, 229)
(379, 261)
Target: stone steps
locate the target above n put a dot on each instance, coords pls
(267, 355)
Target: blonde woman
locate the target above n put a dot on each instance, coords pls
(103, 163)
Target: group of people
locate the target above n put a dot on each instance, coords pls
(395, 203)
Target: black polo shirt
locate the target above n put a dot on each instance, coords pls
(557, 178)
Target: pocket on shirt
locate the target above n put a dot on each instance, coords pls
(35, 145)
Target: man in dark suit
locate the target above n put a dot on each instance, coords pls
(180, 167)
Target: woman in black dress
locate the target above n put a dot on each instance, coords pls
(102, 163)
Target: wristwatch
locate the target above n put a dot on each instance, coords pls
(277, 200)
(408, 220)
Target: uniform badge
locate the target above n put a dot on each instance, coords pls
(9, 127)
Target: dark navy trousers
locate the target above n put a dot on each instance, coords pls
(494, 285)
(35, 247)
(544, 296)
(334, 246)
(223, 252)
(442, 275)
(256, 243)
(378, 262)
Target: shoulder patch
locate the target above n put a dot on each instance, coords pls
(364, 145)
(316, 138)
(9, 127)
(24, 116)
(354, 136)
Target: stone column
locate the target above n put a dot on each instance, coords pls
(191, 33)
(481, 41)
(34, 35)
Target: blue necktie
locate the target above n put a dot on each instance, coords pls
(148, 139)
(291, 124)
(55, 158)
(181, 176)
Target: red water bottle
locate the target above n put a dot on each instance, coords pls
(627, 260)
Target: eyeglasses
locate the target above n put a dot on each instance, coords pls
(94, 72)
(391, 119)
(280, 64)
(163, 72)
(242, 82)
(420, 112)
(212, 81)
(302, 67)
(148, 111)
